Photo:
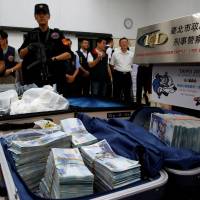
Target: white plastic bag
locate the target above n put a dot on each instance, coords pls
(38, 100)
(6, 98)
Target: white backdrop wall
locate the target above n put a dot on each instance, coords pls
(101, 16)
(164, 10)
(15, 38)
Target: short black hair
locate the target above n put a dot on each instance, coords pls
(99, 40)
(124, 38)
(82, 39)
(3, 34)
(108, 40)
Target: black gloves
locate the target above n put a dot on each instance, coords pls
(33, 47)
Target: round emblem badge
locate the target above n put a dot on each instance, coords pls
(55, 35)
(10, 58)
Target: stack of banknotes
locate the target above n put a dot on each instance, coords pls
(31, 155)
(181, 131)
(66, 175)
(80, 135)
(111, 170)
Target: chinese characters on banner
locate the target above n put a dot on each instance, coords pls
(175, 41)
(192, 29)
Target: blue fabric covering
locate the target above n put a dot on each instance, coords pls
(133, 141)
(89, 102)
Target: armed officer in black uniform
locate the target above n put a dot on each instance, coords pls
(43, 52)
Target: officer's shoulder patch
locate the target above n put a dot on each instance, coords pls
(65, 41)
(55, 35)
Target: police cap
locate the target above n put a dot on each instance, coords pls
(42, 8)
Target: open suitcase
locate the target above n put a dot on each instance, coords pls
(92, 106)
(147, 189)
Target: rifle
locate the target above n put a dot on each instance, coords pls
(41, 56)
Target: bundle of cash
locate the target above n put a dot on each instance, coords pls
(66, 175)
(80, 136)
(23, 135)
(111, 170)
(181, 131)
(31, 155)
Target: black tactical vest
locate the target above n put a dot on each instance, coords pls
(83, 60)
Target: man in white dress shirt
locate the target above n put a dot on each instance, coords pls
(121, 63)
